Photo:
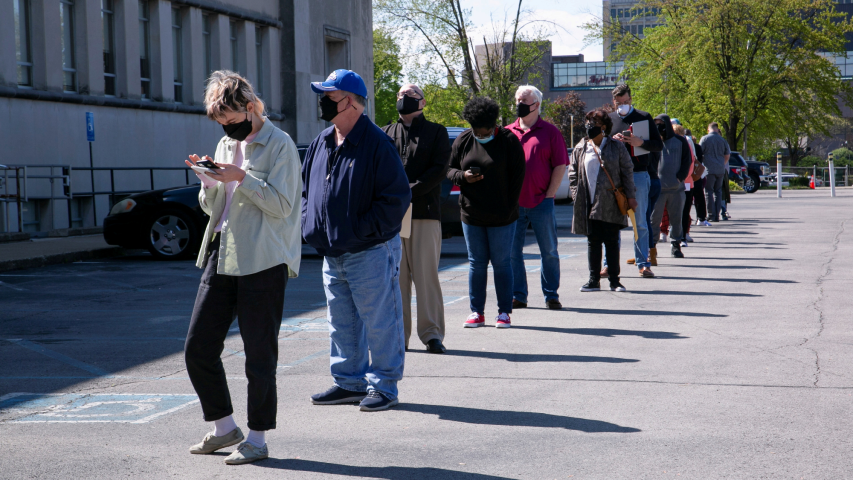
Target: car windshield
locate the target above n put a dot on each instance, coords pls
(736, 160)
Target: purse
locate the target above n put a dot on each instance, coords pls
(619, 193)
(698, 170)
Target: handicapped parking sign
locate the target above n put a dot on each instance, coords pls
(87, 408)
(90, 127)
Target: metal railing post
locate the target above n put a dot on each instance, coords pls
(18, 198)
(778, 174)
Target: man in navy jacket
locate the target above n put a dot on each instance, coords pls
(354, 198)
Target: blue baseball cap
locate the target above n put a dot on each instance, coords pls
(675, 121)
(341, 79)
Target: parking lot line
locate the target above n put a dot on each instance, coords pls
(59, 357)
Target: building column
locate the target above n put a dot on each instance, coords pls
(272, 60)
(8, 58)
(162, 68)
(47, 45)
(246, 42)
(89, 47)
(194, 75)
(220, 43)
(127, 50)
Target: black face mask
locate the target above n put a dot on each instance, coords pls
(592, 131)
(523, 109)
(239, 131)
(407, 105)
(329, 108)
(662, 131)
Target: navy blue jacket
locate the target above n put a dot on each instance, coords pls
(355, 195)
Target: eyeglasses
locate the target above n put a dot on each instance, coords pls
(409, 93)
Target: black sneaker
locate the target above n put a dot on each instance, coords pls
(676, 250)
(518, 304)
(435, 346)
(554, 304)
(617, 287)
(336, 396)
(375, 401)
(591, 286)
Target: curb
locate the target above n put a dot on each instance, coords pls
(69, 257)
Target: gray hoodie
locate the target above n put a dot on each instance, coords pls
(675, 158)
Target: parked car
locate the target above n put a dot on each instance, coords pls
(737, 169)
(758, 172)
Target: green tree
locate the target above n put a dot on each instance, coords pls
(843, 157)
(567, 113)
(752, 64)
(387, 75)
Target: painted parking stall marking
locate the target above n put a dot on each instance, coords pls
(92, 408)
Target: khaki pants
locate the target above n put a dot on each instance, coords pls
(421, 252)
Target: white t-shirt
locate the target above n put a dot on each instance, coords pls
(592, 166)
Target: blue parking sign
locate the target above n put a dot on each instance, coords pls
(90, 127)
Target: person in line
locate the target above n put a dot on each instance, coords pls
(675, 163)
(599, 165)
(425, 149)
(699, 185)
(716, 151)
(251, 246)
(546, 156)
(354, 199)
(625, 116)
(487, 163)
(654, 195)
(689, 184)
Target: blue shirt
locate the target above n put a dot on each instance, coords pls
(354, 195)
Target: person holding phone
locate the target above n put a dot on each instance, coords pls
(251, 247)
(487, 163)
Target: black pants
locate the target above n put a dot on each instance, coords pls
(689, 198)
(608, 234)
(257, 300)
(699, 199)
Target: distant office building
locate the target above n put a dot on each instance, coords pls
(140, 66)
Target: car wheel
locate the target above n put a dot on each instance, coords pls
(171, 235)
(751, 183)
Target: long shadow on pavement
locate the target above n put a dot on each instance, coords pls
(388, 473)
(737, 280)
(734, 259)
(605, 332)
(654, 313)
(723, 267)
(679, 292)
(508, 418)
(533, 357)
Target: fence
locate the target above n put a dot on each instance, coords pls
(842, 174)
(23, 184)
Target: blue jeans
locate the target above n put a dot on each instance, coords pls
(654, 194)
(366, 318)
(544, 221)
(489, 244)
(641, 246)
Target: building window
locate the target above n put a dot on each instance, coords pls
(259, 55)
(144, 49)
(205, 33)
(232, 34)
(613, 12)
(640, 30)
(620, 13)
(23, 52)
(108, 25)
(66, 27)
(177, 54)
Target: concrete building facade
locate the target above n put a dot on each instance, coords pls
(140, 67)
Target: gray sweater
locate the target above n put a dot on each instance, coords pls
(675, 158)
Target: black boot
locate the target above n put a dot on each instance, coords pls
(676, 250)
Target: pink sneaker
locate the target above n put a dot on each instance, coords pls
(475, 320)
(502, 321)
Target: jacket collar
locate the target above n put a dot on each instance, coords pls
(262, 137)
(416, 122)
(354, 135)
(516, 125)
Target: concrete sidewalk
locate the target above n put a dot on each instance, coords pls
(39, 252)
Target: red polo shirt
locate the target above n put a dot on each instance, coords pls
(544, 150)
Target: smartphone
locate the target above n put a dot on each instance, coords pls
(207, 164)
(626, 133)
(475, 170)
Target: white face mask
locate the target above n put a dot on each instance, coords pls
(623, 110)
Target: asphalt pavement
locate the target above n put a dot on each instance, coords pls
(734, 363)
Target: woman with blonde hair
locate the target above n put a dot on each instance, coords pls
(251, 247)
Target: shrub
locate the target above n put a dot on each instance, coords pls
(734, 187)
(799, 182)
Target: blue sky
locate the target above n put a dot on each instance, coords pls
(569, 14)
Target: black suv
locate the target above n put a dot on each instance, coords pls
(755, 172)
(737, 169)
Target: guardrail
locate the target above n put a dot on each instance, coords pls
(15, 186)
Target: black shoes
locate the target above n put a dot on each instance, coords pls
(375, 401)
(676, 250)
(617, 287)
(554, 304)
(591, 286)
(517, 304)
(435, 346)
(336, 396)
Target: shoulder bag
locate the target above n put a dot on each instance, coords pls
(619, 193)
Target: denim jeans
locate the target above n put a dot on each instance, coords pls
(366, 318)
(544, 221)
(489, 244)
(641, 247)
(714, 194)
(654, 194)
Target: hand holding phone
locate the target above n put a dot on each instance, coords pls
(475, 170)
(626, 134)
(473, 175)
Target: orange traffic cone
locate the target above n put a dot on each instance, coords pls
(811, 183)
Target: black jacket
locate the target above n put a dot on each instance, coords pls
(425, 151)
(653, 144)
(493, 201)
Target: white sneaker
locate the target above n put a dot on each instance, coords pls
(683, 243)
(706, 223)
(688, 238)
(698, 222)
(663, 238)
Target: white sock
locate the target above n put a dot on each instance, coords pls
(257, 438)
(224, 426)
